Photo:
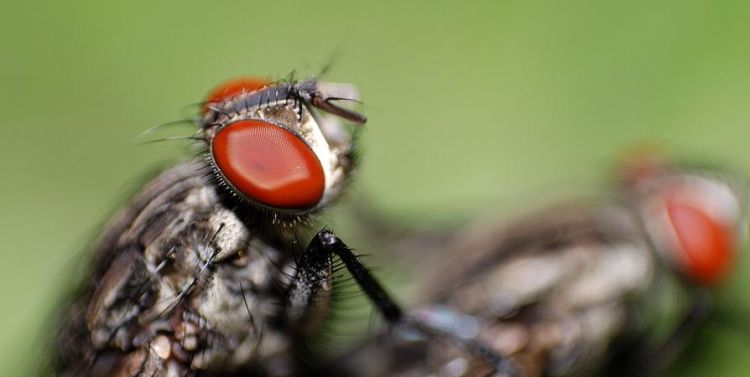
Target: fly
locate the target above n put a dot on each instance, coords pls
(202, 274)
(576, 289)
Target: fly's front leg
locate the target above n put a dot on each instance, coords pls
(308, 298)
(313, 278)
(652, 358)
(694, 318)
(326, 243)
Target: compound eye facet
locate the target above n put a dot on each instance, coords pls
(233, 88)
(705, 245)
(269, 164)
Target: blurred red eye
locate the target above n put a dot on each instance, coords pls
(269, 164)
(234, 87)
(706, 245)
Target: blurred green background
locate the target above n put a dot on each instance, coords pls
(472, 107)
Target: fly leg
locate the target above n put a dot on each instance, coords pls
(311, 273)
(694, 319)
(652, 359)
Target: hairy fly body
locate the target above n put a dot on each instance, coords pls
(201, 274)
(575, 289)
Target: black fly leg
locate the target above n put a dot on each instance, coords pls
(309, 294)
(308, 298)
(326, 243)
(695, 318)
(651, 359)
(312, 270)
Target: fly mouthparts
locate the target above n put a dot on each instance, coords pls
(328, 105)
(323, 95)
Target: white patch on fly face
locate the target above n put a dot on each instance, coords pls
(231, 233)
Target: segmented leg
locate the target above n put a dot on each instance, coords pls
(651, 359)
(325, 244)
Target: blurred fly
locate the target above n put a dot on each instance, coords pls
(574, 290)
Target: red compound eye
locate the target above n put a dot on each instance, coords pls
(234, 87)
(269, 164)
(705, 245)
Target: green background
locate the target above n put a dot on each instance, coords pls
(474, 109)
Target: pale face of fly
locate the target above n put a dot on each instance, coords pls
(271, 147)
